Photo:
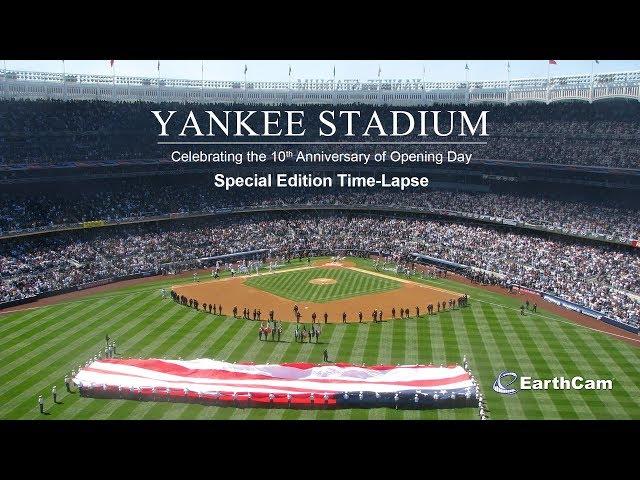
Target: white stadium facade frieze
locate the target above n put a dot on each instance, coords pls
(589, 88)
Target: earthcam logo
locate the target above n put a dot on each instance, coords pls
(505, 379)
(508, 378)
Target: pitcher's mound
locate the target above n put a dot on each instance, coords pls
(323, 281)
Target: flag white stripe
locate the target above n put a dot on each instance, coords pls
(281, 379)
(398, 374)
(127, 381)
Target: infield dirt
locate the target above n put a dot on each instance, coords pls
(230, 292)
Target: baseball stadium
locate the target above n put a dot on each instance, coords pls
(133, 287)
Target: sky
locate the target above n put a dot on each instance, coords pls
(278, 70)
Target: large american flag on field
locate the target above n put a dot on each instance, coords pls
(286, 385)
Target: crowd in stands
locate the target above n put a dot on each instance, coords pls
(33, 210)
(52, 132)
(601, 277)
(604, 278)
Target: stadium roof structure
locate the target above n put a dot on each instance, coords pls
(589, 88)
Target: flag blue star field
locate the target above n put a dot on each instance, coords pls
(304, 385)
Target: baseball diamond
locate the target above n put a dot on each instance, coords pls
(354, 291)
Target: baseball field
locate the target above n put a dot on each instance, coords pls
(39, 346)
(322, 287)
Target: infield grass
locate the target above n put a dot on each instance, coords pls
(39, 346)
(296, 285)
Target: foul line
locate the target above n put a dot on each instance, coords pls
(402, 280)
(562, 320)
(559, 319)
(249, 275)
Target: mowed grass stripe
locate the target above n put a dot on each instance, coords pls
(358, 358)
(19, 321)
(480, 361)
(624, 400)
(56, 360)
(512, 406)
(437, 340)
(603, 349)
(216, 327)
(522, 363)
(532, 404)
(45, 346)
(566, 363)
(577, 362)
(549, 402)
(146, 342)
(551, 349)
(412, 355)
(442, 353)
(453, 356)
(370, 357)
(424, 327)
(88, 408)
(395, 359)
(49, 325)
(405, 351)
(459, 319)
(344, 355)
(160, 348)
(129, 331)
(626, 356)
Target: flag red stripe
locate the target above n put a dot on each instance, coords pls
(224, 397)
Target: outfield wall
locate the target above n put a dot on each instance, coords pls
(84, 286)
(588, 311)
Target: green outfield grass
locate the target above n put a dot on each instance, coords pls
(39, 346)
(295, 285)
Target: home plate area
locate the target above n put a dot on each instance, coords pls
(286, 385)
